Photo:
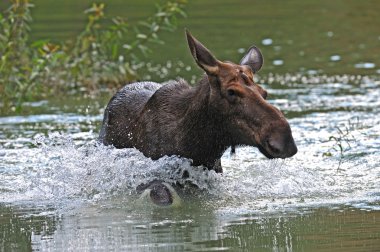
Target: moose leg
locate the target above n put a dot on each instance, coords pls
(160, 193)
(218, 166)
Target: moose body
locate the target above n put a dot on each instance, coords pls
(226, 108)
(169, 119)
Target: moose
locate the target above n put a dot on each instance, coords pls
(225, 109)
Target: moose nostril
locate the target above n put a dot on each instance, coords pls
(274, 146)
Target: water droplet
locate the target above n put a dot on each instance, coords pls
(267, 41)
(312, 71)
(335, 58)
(278, 62)
(330, 34)
(366, 65)
(241, 50)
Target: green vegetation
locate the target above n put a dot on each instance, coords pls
(103, 55)
(342, 141)
(341, 144)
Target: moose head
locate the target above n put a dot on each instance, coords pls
(247, 117)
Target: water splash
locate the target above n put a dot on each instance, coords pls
(58, 170)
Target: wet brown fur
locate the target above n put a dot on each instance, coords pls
(226, 108)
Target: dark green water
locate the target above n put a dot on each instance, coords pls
(60, 192)
(304, 34)
(335, 37)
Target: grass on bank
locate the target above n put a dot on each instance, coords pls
(100, 56)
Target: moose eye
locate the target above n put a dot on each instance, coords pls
(232, 95)
(231, 92)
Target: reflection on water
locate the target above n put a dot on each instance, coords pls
(367, 65)
(102, 228)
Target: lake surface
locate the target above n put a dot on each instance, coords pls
(60, 191)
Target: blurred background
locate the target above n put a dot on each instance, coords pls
(334, 37)
(81, 46)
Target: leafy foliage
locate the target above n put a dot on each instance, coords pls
(342, 141)
(101, 56)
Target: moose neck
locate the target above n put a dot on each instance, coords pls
(205, 135)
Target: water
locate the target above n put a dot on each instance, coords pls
(61, 191)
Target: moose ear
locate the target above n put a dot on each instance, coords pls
(254, 59)
(202, 55)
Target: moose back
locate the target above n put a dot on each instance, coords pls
(226, 108)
